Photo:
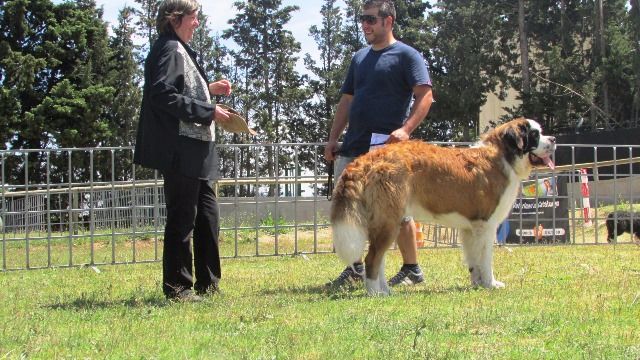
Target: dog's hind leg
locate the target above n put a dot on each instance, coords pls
(376, 282)
(374, 266)
(610, 229)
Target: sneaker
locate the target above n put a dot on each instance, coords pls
(348, 277)
(407, 277)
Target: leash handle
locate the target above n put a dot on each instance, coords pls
(330, 179)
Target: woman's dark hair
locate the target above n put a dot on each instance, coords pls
(172, 11)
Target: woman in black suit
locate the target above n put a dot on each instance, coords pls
(176, 136)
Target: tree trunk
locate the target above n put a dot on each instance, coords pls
(635, 20)
(524, 49)
(603, 56)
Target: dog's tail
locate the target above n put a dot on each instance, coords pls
(347, 217)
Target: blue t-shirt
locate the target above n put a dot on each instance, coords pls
(381, 82)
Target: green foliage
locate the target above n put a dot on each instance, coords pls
(54, 75)
(328, 74)
(411, 25)
(203, 44)
(146, 23)
(125, 76)
(274, 226)
(267, 55)
(351, 31)
(465, 63)
(575, 80)
(65, 83)
(272, 92)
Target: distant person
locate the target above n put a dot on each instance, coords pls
(548, 187)
(503, 232)
(382, 80)
(176, 136)
(538, 233)
(85, 214)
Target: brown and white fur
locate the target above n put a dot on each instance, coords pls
(471, 189)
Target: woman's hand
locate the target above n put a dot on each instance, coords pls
(220, 115)
(220, 87)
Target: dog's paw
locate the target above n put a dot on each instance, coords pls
(378, 293)
(374, 288)
(495, 284)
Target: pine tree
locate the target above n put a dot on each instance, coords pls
(329, 73)
(126, 78)
(579, 64)
(352, 30)
(203, 45)
(615, 65)
(147, 21)
(54, 69)
(273, 90)
(466, 64)
(634, 30)
(411, 24)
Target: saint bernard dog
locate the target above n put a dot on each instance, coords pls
(471, 189)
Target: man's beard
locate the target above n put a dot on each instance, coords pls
(369, 39)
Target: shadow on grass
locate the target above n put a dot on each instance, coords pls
(443, 290)
(358, 291)
(87, 303)
(332, 293)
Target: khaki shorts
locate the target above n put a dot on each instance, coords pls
(341, 163)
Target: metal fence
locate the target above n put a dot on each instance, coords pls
(95, 207)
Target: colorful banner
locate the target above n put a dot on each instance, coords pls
(532, 217)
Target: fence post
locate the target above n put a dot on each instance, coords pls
(586, 205)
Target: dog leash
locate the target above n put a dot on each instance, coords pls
(330, 179)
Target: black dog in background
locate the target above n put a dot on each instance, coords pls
(624, 219)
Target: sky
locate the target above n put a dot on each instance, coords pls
(220, 11)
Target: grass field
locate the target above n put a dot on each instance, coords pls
(561, 302)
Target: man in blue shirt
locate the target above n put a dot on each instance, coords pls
(376, 102)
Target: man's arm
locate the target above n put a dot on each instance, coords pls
(338, 126)
(420, 109)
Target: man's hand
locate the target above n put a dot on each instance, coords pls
(220, 87)
(397, 135)
(330, 150)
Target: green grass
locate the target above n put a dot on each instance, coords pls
(17, 253)
(561, 302)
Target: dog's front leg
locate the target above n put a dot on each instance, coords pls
(471, 249)
(478, 252)
(486, 265)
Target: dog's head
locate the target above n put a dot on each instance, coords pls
(522, 138)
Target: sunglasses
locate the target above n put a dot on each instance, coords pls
(369, 19)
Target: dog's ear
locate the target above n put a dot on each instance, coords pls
(533, 139)
(514, 137)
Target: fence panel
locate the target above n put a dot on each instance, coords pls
(76, 207)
